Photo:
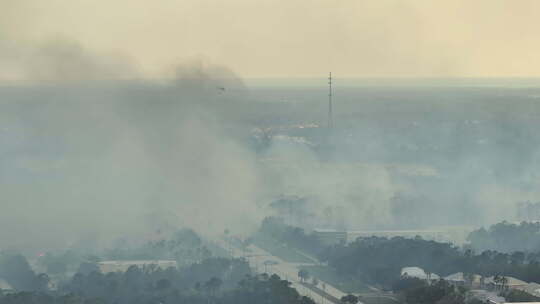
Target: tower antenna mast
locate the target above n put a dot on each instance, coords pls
(330, 118)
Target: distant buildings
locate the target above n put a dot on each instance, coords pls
(333, 236)
(476, 281)
(488, 283)
(509, 282)
(531, 288)
(485, 289)
(121, 266)
(436, 235)
(461, 279)
(330, 237)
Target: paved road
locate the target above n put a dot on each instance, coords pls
(257, 257)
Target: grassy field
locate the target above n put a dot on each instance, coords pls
(377, 300)
(366, 298)
(329, 275)
(321, 293)
(280, 250)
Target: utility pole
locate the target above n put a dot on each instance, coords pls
(330, 118)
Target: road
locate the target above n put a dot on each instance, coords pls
(257, 257)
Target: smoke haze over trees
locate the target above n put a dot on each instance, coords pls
(84, 156)
(204, 135)
(88, 138)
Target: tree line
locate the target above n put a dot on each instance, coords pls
(507, 237)
(261, 289)
(211, 281)
(379, 260)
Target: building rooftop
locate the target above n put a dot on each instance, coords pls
(459, 277)
(417, 272)
(511, 281)
(532, 289)
(5, 285)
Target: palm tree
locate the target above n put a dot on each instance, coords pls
(428, 276)
(468, 278)
(213, 285)
(303, 274)
(500, 281)
(504, 281)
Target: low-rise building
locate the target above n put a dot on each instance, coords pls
(435, 235)
(419, 273)
(5, 287)
(461, 279)
(330, 237)
(509, 282)
(531, 288)
(121, 266)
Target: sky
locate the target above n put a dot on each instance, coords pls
(280, 38)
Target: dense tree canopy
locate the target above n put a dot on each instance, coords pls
(184, 246)
(507, 237)
(439, 292)
(14, 268)
(295, 237)
(137, 286)
(380, 260)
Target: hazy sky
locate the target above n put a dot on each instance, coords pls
(290, 38)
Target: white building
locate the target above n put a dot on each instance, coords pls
(419, 273)
(4, 286)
